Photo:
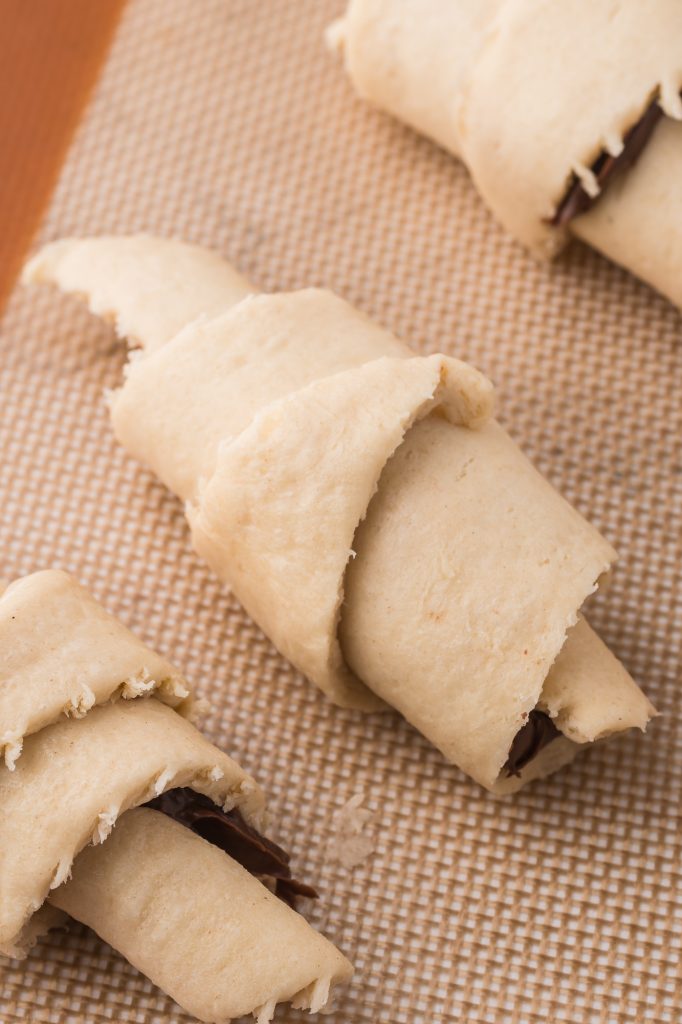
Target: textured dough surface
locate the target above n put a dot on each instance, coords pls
(197, 923)
(216, 375)
(531, 120)
(278, 516)
(76, 777)
(461, 589)
(183, 911)
(149, 292)
(413, 59)
(61, 653)
(582, 713)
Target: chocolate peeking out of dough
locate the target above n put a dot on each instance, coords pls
(538, 732)
(229, 832)
(605, 167)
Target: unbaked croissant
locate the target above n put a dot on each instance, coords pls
(567, 114)
(367, 510)
(101, 738)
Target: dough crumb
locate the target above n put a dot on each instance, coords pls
(349, 846)
(200, 709)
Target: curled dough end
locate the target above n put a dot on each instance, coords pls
(583, 713)
(149, 288)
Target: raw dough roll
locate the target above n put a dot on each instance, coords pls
(211, 935)
(542, 137)
(75, 778)
(376, 522)
(183, 910)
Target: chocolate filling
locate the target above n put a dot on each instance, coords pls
(538, 732)
(229, 832)
(605, 167)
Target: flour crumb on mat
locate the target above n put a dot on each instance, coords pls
(349, 846)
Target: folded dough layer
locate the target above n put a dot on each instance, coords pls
(181, 909)
(414, 59)
(469, 572)
(217, 374)
(61, 653)
(198, 924)
(75, 778)
(337, 483)
(482, 78)
(278, 516)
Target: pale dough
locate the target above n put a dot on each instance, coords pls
(198, 924)
(378, 525)
(61, 653)
(163, 290)
(483, 79)
(278, 516)
(638, 220)
(208, 932)
(76, 777)
(470, 569)
(216, 374)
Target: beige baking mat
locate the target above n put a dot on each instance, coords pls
(226, 123)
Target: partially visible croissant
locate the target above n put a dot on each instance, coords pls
(372, 517)
(99, 743)
(553, 106)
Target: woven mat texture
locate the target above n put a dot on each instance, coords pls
(225, 122)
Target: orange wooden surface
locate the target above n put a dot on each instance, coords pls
(50, 55)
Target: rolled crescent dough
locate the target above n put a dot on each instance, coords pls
(482, 78)
(195, 921)
(376, 522)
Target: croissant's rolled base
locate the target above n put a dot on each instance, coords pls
(638, 220)
(461, 606)
(198, 924)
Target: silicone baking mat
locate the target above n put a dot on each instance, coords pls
(225, 122)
